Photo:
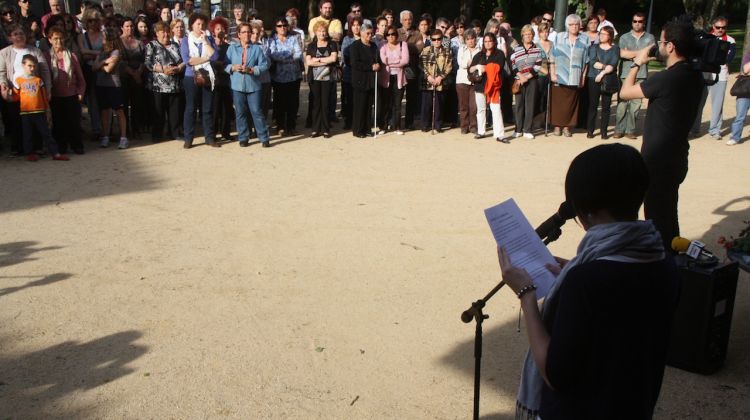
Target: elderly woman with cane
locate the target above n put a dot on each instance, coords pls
(605, 324)
(364, 58)
(246, 61)
(436, 63)
(568, 73)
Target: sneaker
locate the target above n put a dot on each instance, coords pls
(32, 157)
(733, 142)
(517, 134)
(399, 133)
(716, 136)
(104, 142)
(61, 157)
(528, 136)
(123, 143)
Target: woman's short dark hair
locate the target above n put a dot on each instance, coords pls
(610, 177)
(196, 16)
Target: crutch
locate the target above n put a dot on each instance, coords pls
(375, 117)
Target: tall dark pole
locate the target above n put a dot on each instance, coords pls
(650, 17)
(561, 11)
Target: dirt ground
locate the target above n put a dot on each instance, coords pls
(320, 278)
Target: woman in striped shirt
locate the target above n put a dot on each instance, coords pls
(526, 60)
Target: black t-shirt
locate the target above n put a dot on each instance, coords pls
(673, 98)
(321, 73)
(609, 330)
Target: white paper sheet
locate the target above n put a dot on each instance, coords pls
(513, 231)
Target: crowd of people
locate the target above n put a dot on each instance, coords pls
(167, 69)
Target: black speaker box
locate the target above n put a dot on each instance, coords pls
(702, 321)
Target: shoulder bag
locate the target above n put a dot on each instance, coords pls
(741, 87)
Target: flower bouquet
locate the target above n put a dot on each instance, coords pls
(738, 249)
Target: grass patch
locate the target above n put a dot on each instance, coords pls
(735, 31)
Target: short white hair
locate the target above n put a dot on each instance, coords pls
(406, 12)
(573, 18)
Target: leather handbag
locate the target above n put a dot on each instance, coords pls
(516, 88)
(741, 87)
(202, 78)
(611, 83)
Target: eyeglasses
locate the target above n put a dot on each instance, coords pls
(437, 39)
(720, 27)
(391, 34)
(356, 10)
(9, 12)
(282, 26)
(243, 32)
(637, 21)
(546, 20)
(460, 27)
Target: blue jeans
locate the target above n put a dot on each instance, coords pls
(193, 94)
(743, 105)
(249, 103)
(716, 92)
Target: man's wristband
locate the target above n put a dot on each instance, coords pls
(636, 65)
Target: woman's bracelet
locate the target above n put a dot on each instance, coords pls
(525, 290)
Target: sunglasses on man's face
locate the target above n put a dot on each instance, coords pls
(437, 39)
(7, 13)
(720, 27)
(282, 26)
(637, 21)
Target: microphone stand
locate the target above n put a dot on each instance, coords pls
(475, 313)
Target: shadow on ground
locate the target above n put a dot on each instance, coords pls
(33, 385)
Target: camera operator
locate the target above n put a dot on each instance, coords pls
(674, 95)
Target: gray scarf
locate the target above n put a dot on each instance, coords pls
(637, 242)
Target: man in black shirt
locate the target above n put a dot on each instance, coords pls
(674, 95)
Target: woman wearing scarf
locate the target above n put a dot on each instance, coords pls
(246, 61)
(598, 347)
(198, 50)
(489, 63)
(68, 88)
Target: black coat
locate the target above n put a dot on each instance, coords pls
(361, 59)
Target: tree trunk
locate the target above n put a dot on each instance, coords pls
(466, 8)
(206, 7)
(312, 11)
(747, 31)
(126, 7)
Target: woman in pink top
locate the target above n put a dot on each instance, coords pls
(395, 56)
(68, 88)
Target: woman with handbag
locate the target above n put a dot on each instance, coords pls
(526, 62)
(355, 25)
(198, 50)
(489, 64)
(743, 101)
(395, 56)
(165, 67)
(285, 53)
(365, 62)
(321, 57)
(603, 81)
(467, 106)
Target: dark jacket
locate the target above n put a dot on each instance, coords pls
(361, 58)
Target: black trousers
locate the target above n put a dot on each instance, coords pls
(66, 123)
(412, 102)
(526, 106)
(427, 109)
(320, 92)
(594, 93)
(506, 100)
(660, 204)
(165, 105)
(286, 104)
(361, 104)
(450, 110)
(391, 103)
(223, 111)
(12, 123)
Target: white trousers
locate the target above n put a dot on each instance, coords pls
(498, 129)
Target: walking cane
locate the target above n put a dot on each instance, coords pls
(434, 95)
(375, 118)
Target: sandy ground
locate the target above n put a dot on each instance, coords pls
(316, 279)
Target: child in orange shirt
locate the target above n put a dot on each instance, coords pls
(35, 112)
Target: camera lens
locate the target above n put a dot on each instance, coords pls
(653, 51)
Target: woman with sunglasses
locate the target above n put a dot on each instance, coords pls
(436, 63)
(489, 64)
(395, 57)
(284, 52)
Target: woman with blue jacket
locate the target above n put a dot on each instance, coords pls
(245, 63)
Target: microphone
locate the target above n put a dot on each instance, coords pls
(551, 226)
(695, 250)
